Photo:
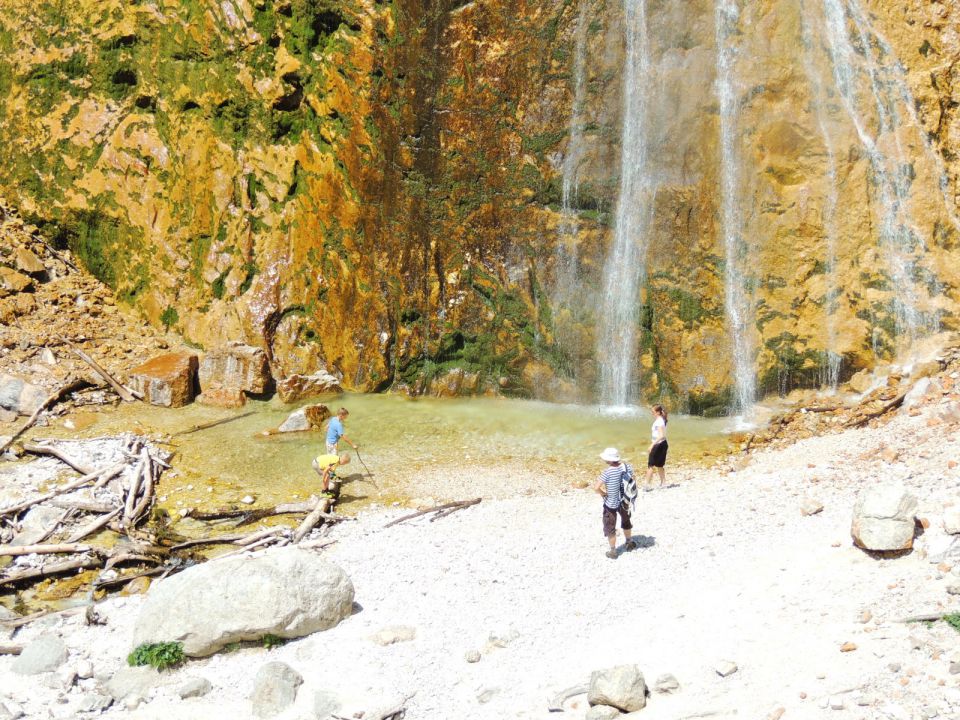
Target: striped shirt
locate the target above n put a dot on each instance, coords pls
(611, 478)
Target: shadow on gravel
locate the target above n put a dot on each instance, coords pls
(641, 542)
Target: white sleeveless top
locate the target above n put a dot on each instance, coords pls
(659, 422)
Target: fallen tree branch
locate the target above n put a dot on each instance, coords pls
(16, 550)
(125, 393)
(451, 506)
(252, 515)
(68, 387)
(123, 579)
(46, 450)
(94, 527)
(83, 505)
(207, 426)
(310, 521)
(27, 619)
(10, 649)
(69, 487)
(52, 569)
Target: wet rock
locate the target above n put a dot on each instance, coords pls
(883, 518)
(274, 689)
(27, 262)
(622, 687)
(45, 654)
(194, 687)
(222, 397)
(168, 380)
(394, 634)
(289, 593)
(237, 367)
(309, 417)
(299, 387)
(20, 396)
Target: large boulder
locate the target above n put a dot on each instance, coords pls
(274, 689)
(309, 417)
(298, 387)
(169, 380)
(289, 593)
(19, 396)
(884, 518)
(622, 687)
(235, 366)
(45, 654)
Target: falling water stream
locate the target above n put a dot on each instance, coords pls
(624, 270)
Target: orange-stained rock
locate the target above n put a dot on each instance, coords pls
(27, 262)
(222, 397)
(169, 380)
(298, 387)
(236, 366)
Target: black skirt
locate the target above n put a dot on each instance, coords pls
(658, 456)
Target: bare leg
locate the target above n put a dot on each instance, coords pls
(649, 476)
(662, 474)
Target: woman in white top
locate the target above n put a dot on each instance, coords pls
(658, 445)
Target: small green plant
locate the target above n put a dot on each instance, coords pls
(231, 647)
(953, 620)
(161, 655)
(169, 317)
(271, 641)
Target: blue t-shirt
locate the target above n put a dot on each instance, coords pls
(334, 431)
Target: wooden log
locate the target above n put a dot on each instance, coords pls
(68, 387)
(451, 506)
(52, 569)
(131, 498)
(108, 476)
(149, 476)
(215, 423)
(40, 549)
(93, 527)
(125, 393)
(248, 516)
(82, 505)
(44, 450)
(266, 532)
(310, 521)
(10, 649)
(69, 487)
(27, 619)
(196, 542)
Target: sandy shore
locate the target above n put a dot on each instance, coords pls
(731, 571)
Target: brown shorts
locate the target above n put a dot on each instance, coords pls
(610, 520)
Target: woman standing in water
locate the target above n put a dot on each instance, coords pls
(658, 445)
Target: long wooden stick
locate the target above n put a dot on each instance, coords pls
(148, 478)
(451, 506)
(93, 527)
(46, 450)
(70, 386)
(52, 569)
(125, 393)
(310, 521)
(82, 505)
(10, 649)
(15, 550)
(207, 426)
(70, 486)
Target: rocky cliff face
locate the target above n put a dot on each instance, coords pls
(375, 187)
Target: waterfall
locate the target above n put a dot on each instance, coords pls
(736, 251)
(624, 269)
(833, 358)
(566, 256)
(897, 237)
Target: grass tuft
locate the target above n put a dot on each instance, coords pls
(161, 655)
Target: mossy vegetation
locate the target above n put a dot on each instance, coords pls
(162, 655)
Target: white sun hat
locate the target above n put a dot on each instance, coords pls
(610, 455)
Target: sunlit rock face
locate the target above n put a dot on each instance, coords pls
(375, 188)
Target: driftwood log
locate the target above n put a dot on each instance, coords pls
(125, 393)
(215, 423)
(66, 388)
(53, 452)
(441, 510)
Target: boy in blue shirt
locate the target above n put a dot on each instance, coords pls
(335, 432)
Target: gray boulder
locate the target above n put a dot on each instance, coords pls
(94, 702)
(194, 687)
(289, 593)
(622, 687)
(130, 682)
(601, 712)
(20, 396)
(883, 518)
(45, 654)
(274, 689)
(666, 684)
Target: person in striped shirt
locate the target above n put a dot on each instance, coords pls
(608, 485)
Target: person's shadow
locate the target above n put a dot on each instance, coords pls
(640, 542)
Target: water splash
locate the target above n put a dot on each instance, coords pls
(565, 289)
(624, 270)
(736, 250)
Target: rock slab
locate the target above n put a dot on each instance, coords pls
(289, 593)
(622, 687)
(884, 517)
(274, 689)
(299, 387)
(44, 654)
(309, 417)
(19, 396)
(235, 366)
(168, 380)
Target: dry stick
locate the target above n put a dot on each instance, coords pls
(27, 619)
(221, 540)
(39, 549)
(134, 488)
(266, 532)
(10, 649)
(45, 450)
(52, 569)
(323, 504)
(70, 386)
(125, 393)
(69, 487)
(556, 705)
(83, 505)
(108, 476)
(93, 527)
(99, 583)
(249, 516)
(148, 479)
(207, 426)
(459, 505)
